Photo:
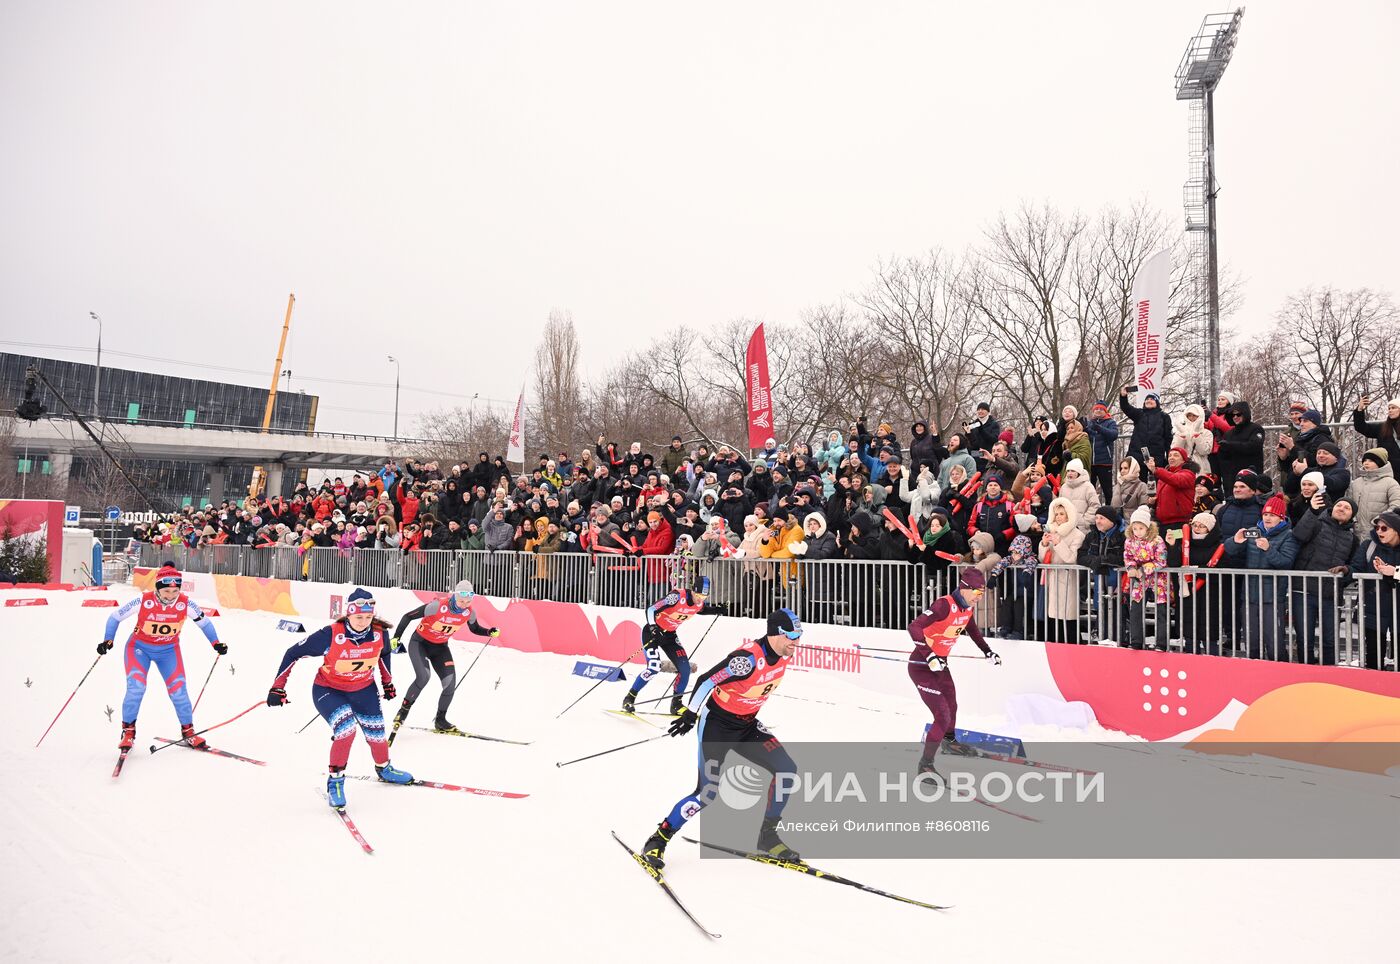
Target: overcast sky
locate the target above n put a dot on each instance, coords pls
(430, 179)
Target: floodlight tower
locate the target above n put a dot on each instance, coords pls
(1207, 55)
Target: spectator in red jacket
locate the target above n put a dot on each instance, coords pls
(1176, 489)
(323, 505)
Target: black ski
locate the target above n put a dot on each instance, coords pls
(802, 867)
(121, 761)
(472, 736)
(655, 875)
(206, 748)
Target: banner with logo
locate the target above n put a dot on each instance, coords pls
(1151, 288)
(515, 448)
(759, 399)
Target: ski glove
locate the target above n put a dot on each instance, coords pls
(389, 691)
(396, 645)
(221, 648)
(991, 654)
(103, 647)
(684, 723)
(936, 663)
(277, 696)
(495, 631)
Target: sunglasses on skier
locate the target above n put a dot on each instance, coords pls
(360, 607)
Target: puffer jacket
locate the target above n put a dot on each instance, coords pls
(1080, 493)
(1104, 433)
(1197, 440)
(1128, 495)
(1241, 447)
(1374, 491)
(1152, 428)
(922, 498)
(1233, 514)
(1281, 554)
(923, 448)
(1323, 542)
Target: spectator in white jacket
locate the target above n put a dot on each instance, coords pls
(1190, 433)
(924, 496)
(1078, 490)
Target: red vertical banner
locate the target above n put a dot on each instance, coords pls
(760, 400)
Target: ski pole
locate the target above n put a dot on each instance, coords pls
(250, 709)
(310, 721)
(602, 679)
(206, 683)
(70, 697)
(661, 699)
(483, 649)
(613, 750)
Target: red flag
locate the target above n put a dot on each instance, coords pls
(759, 399)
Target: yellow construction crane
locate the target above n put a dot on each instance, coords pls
(260, 476)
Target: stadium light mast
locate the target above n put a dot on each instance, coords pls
(1207, 55)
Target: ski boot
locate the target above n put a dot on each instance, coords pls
(441, 725)
(188, 736)
(629, 702)
(335, 790)
(926, 768)
(955, 747)
(128, 736)
(654, 850)
(770, 843)
(677, 704)
(388, 774)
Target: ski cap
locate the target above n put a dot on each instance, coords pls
(784, 622)
(464, 588)
(972, 579)
(360, 601)
(168, 575)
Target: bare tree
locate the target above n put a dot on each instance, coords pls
(926, 360)
(558, 385)
(1031, 297)
(1342, 344)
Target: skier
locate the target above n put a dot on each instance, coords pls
(429, 646)
(935, 631)
(725, 703)
(156, 639)
(664, 617)
(344, 691)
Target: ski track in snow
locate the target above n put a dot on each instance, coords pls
(191, 857)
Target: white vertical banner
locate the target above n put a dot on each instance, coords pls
(1151, 289)
(515, 447)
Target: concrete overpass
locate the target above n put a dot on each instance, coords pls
(216, 446)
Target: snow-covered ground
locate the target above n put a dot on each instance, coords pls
(190, 857)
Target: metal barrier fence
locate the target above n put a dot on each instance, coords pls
(1304, 617)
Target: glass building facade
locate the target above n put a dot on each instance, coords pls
(153, 398)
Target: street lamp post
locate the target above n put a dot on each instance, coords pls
(97, 378)
(397, 370)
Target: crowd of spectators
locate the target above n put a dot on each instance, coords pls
(1121, 497)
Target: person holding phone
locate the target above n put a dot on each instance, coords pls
(1386, 431)
(1152, 427)
(1269, 546)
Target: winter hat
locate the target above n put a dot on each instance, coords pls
(1391, 518)
(1331, 447)
(1141, 514)
(1109, 513)
(1073, 410)
(1351, 502)
(1297, 407)
(1100, 406)
(1184, 454)
(1277, 505)
(1006, 436)
(1209, 481)
(1075, 465)
(1311, 415)
(168, 575)
(1316, 479)
(996, 477)
(1229, 397)
(1196, 410)
(942, 513)
(1249, 478)
(770, 443)
(784, 622)
(984, 406)
(360, 601)
(1206, 519)
(1379, 456)
(972, 579)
